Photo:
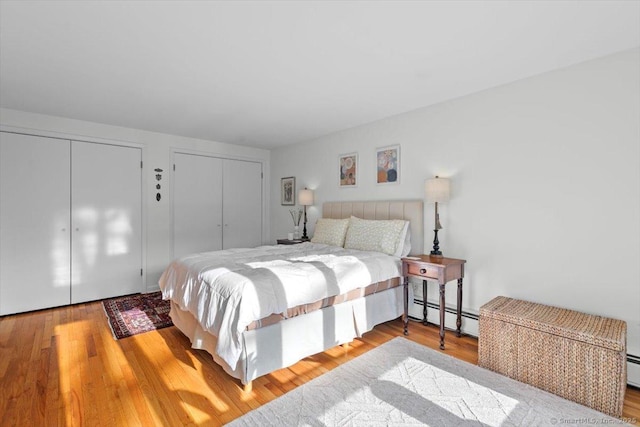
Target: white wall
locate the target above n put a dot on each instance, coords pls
(545, 179)
(156, 152)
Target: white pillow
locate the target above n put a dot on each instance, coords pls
(375, 235)
(330, 231)
(404, 247)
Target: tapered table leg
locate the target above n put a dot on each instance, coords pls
(424, 302)
(459, 308)
(442, 308)
(405, 315)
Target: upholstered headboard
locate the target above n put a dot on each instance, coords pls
(408, 210)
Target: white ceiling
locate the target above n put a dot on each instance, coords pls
(269, 73)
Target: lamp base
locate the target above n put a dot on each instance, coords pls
(305, 238)
(436, 244)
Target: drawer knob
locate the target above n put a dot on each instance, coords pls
(423, 271)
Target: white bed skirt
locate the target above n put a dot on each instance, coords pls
(285, 343)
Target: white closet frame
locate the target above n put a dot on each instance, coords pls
(265, 192)
(85, 138)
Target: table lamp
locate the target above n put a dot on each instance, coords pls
(305, 198)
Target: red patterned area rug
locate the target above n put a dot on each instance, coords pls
(136, 314)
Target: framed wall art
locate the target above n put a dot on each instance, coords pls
(348, 165)
(288, 191)
(388, 164)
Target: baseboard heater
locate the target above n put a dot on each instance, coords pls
(447, 309)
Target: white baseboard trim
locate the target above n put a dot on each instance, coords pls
(150, 289)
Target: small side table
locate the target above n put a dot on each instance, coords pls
(289, 242)
(436, 268)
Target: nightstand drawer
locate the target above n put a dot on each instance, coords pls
(428, 272)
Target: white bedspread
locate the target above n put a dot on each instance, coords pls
(227, 290)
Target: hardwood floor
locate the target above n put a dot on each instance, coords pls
(62, 367)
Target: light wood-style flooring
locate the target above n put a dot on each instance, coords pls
(62, 367)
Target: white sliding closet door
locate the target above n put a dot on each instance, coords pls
(34, 223)
(242, 204)
(106, 221)
(197, 204)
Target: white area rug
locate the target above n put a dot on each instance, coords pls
(401, 383)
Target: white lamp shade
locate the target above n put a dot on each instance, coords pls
(305, 197)
(437, 190)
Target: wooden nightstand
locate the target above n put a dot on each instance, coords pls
(436, 268)
(290, 242)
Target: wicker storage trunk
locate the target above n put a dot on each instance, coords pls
(577, 356)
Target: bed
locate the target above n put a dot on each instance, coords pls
(266, 310)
